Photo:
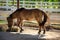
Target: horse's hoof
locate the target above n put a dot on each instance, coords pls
(21, 31)
(38, 33)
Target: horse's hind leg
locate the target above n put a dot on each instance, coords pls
(44, 29)
(39, 30)
(39, 25)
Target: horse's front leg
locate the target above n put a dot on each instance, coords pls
(19, 22)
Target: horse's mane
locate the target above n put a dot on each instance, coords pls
(20, 9)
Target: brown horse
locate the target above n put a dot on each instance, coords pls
(28, 14)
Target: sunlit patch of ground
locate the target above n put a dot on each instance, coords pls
(29, 34)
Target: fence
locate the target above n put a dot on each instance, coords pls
(50, 6)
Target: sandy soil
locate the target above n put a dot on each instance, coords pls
(30, 34)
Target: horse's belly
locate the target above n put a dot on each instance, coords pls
(28, 18)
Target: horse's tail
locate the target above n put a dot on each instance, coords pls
(45, 18)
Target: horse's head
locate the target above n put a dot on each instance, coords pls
(10, 21)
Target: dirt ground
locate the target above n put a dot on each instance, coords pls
(30, 34)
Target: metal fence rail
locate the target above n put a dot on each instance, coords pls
(50, 6)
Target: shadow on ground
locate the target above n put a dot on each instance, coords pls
(18, 36)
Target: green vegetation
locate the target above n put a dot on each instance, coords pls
(14, 3)
(2, 22)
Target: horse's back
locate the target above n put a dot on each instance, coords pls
(30, 14)
(27, 14)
